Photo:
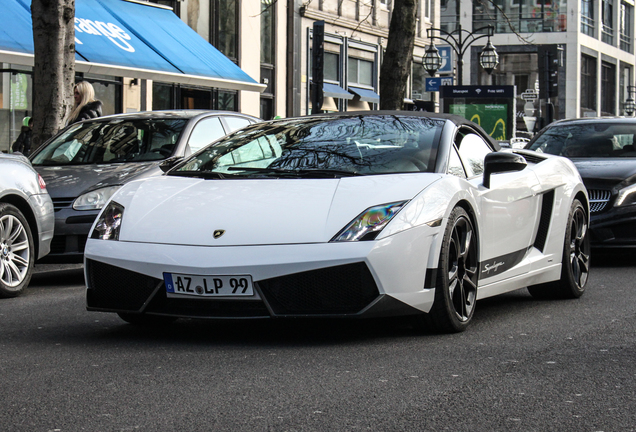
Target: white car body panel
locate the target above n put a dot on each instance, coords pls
(258, 212)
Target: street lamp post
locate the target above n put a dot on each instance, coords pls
(460, 40)
(630, 105)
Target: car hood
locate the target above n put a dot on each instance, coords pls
(606, 169)
(186, 211)
(71, 181)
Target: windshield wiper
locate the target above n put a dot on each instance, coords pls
(329, 173)
(197, 174)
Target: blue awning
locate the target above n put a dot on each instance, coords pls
(335, 91)
(365, 95)
(132, 39)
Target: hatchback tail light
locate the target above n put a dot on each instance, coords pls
(41, 182)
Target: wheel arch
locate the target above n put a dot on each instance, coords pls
(580, 195)
(467, 206)
(24, 207)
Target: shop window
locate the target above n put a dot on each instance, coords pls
(107, 89)
(196, 98)
(162, 96)
(16, 90)
(227, 100)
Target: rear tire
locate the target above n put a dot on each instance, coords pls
(16, 251)
(146, 320)
(457, 274)
(575, 263)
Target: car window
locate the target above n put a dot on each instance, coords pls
(370, 144)
(455, 166)
(205, 132)
(472, 151)
(118, 140)
(587, 140)
(235, 123)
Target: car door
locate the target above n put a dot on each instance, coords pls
(507, 214)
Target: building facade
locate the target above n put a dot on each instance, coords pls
(581, 49)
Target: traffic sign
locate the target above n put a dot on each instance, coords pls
(530, 95)
(433, 84)
(445, 52)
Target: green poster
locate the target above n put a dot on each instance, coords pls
(19, 86)
(491, 117)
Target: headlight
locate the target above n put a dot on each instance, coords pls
(626, 196)
(368, 225)
(95, 200)
(109, 222)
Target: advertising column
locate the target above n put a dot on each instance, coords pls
(491, 107)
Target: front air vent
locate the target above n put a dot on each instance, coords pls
(544, 222)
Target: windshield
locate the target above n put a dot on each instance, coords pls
(319, 147)
(599, 140)
(102, 142)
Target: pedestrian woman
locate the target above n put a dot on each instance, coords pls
(23, 143)
(86, 107)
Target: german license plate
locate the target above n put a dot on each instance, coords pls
(208, 286)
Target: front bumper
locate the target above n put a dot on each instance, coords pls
(358, 279)
(42, 207)
(614, 228)
(71, 232)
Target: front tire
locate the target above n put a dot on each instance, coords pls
(575, 263)
(457, 274)
(16, 251)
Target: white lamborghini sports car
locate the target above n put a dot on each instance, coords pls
(342, 215)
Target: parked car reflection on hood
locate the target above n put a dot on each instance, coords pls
(87, 162)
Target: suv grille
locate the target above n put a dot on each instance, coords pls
(345, 289)
(598, 199)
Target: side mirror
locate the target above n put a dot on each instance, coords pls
(169, 163)
(500, 162)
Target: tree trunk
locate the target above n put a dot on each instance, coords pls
(396, 66)
(54, 69)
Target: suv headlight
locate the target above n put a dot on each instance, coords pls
(95, 199)
(626, 196)
(109, 222)
(369, 223)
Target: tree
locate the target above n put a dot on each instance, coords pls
(396, 66)
(54, 67)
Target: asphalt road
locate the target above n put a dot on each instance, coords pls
(524, 365)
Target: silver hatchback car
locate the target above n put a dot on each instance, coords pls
(26, 222)
(85, 163)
